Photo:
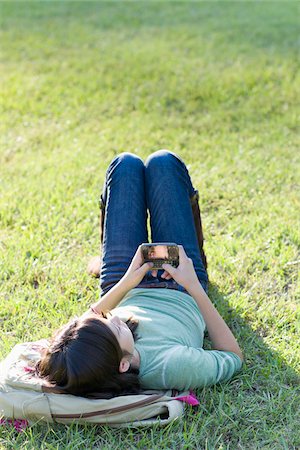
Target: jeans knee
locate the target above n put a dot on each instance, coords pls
(162, 158)
(128, 161)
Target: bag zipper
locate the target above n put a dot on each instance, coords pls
(118, 409)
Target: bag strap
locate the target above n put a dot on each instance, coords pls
(115, 410)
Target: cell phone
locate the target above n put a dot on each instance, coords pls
(160, 253)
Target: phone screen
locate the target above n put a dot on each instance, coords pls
(160, 254)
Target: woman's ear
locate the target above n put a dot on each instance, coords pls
(124, 365)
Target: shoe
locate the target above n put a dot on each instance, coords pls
(94, 267)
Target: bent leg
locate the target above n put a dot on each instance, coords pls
(169, 193)
(125, 224)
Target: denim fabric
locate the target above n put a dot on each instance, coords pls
(163, 186)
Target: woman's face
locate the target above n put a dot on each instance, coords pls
(122, 333)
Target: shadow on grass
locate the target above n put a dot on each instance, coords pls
(262, 363)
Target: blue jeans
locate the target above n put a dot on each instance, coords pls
(163, 186)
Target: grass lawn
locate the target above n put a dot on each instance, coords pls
(216, 82)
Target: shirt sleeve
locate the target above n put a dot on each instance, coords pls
(190, 368)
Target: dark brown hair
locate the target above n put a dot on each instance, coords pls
(83, 359)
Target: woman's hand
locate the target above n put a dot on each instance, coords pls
(136, 271)
(184, 274)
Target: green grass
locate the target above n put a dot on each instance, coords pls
(218, 83)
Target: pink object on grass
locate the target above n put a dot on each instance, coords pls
(190, 399)
(29, 369)
(18, 424)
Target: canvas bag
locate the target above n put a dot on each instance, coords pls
(23, 396)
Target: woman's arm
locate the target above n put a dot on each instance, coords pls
(134, 275)
(112, 298)
(219, 333)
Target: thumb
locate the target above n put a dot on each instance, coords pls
(145, 267)
(170, 269)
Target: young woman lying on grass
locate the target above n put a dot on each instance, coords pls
(146, 331)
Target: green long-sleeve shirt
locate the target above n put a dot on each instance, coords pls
(170, 340)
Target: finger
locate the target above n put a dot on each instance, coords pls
(154, 273)
(139, 254)
(137, 259)
(141, 271)
(182, 254)
(166, 276)
(170, 269)
(145, 268)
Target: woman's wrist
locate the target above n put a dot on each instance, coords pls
(194, 287)
(94, 310)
